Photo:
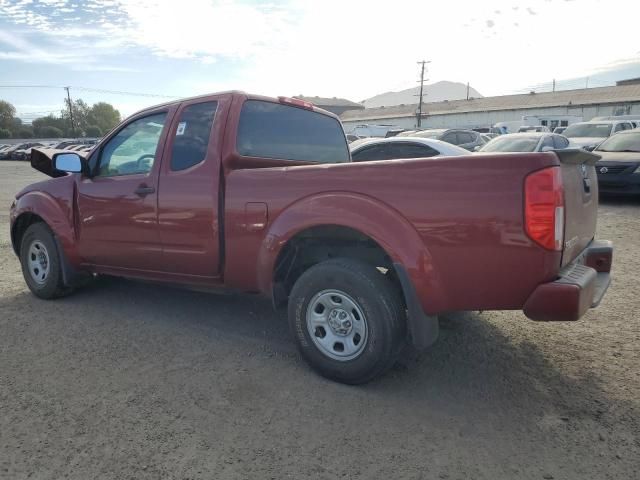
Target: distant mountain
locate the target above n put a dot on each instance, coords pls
(435, 92)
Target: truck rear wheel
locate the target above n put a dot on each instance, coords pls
(348, 320)
(40, 262)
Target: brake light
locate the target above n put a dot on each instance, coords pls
(544, 208)
(296, 102)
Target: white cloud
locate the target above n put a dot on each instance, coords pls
(350, 48)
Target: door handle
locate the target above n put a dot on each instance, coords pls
(143, 190)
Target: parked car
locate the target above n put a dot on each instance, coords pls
(24, 153)
(618, 169)
(8, 153)
(589, 134)
(526, 142)
(404, 147)
(64, 144)
(395, 132)
(467, 139)
(256, 194)
(633, 119)
(352, 138)
(533, 128)
(559, 129)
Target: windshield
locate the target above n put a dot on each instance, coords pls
(588, 130)
(627, 142)
(511, 144)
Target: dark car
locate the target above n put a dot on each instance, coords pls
(24, 153)
(65, 144)
(467, 139)
(619, 168)
(7, 154)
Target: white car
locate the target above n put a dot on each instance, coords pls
(526, 142)
(403, 147)
(590, 134)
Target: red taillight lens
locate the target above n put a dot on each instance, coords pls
(544, 207)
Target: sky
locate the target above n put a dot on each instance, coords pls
(344, 48)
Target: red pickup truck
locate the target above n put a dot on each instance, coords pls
(258, 194)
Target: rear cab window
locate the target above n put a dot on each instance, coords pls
(192, 135)
(275, 131)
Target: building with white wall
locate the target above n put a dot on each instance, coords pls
(548, 108)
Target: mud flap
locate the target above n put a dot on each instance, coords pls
(423, 329)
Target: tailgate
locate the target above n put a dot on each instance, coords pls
(580, 200)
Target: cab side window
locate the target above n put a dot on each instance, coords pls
(192, 135)
(133, 149)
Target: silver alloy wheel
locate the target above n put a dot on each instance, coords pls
(337, 325)
(38, 261)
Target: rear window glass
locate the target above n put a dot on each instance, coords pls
(192, 135)
(270, 130)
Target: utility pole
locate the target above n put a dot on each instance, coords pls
(423, 62)
(554, 84)
(587, 83)
(467, 90)
(73, 130)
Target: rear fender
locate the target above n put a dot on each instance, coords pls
(386, 226)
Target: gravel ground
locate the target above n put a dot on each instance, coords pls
(130, 380)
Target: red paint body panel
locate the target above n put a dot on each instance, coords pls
(455, 224)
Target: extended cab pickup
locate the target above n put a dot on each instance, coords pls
(258, 194)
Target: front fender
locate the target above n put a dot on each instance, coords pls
(55, 210)
(380, 222)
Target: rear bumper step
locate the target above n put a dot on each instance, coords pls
(581, 286)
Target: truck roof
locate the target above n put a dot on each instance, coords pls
(237, 93)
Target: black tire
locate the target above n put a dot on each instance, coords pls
(52, 286)
(379, 300)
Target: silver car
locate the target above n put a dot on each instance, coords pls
(526, 142)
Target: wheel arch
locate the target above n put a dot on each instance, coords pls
(364, 219)
(37, 206)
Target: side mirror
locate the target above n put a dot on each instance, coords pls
(590, 148)
(69, 162)
(547, 148)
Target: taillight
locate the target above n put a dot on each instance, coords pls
(296, 102)
(544, 207)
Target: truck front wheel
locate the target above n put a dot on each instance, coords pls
(348, 320)
(41, 263)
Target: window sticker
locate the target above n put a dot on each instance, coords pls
(181, 128)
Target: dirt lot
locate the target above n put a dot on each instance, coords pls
(129, 380)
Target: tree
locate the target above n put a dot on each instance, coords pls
(104, 116)
(23, 132)
(49, 131)
(5, 133)
(39, 124)
(93, 131)
(80, 112)
(7, 115)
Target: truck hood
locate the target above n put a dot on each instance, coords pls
(580, 142)
(41, 160)
(631, 157)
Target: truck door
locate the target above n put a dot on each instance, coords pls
(189, 189)
(117, 206)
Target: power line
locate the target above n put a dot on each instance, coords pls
(96, 90)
